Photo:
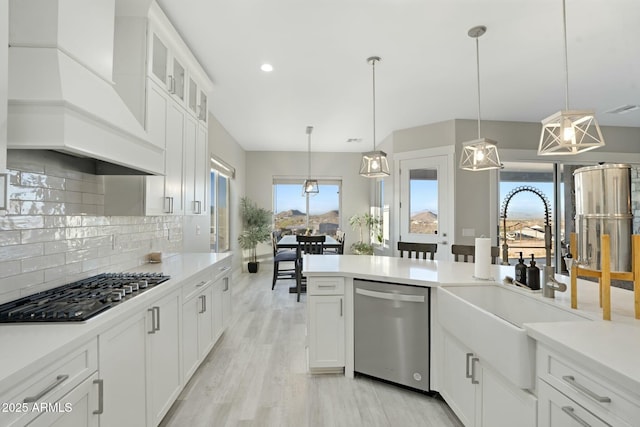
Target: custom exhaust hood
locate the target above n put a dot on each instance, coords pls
(61, 93)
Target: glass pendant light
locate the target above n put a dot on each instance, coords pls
(569, 131)
(310, 186)
(482, 153)
(374, 163)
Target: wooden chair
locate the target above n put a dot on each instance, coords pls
(418, 249)
(306, 245)
(282, 255)
(469, 251)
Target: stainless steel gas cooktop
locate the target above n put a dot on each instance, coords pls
(81, 300)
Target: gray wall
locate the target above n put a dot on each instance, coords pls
(4, 75)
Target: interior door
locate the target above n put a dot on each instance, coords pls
(426, 196)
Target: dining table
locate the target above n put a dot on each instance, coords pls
(289, 241)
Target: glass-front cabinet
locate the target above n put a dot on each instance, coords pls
(167, 69)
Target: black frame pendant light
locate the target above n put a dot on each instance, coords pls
(569, 132)
(374, 163)
(482, 153)
(310, 186)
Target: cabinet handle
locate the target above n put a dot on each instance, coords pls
(171, 204)
(569, 411)
(201, 284)
(473, 370)
(100, 409)
(203, 303)
(153, 320)
(468, 371)
(226, 284)
(157, 310)
(172, 84)
(198, 204)
(572, 381)
(59, 380)
(167, 204)
(340, 307)
(327, 286)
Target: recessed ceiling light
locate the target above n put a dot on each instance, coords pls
(267, 68)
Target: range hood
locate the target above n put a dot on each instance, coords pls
(61, 93)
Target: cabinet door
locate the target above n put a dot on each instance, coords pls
(457, 389)
(504, 405)
(191, 156)
(190, 314)
(201, 169)
(157, 103)
(192, 101)
(160, 61)
(227, 304)
(122, 368)
(173, 158)
(205, 322)
(326, 331)
(217, 309)
(78, 408)
(163, 356)
(178, 80)
(203, 108)
(557, 410)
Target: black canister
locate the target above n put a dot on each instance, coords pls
(533, 275)
(521, 271)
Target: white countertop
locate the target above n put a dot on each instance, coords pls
(25, 345)
(615, 344)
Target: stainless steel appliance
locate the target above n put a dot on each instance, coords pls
(391, 332)
(603, 206)
(81, 300)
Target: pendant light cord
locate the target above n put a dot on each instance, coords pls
(478, 78)
(566, 56)
(373, 64)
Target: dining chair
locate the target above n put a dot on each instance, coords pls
(282, 255)
(306, 245)
(466, 252)
(418, 249)
(337, 250)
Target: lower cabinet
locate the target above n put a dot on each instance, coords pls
(478, 395)
(198, 311)
(325, 323)
(81, 407)
(140, 365)
(571, 394)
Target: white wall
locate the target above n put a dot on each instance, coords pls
(261, 167)
(4, 75)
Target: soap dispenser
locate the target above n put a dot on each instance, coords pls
(533, 275)
(521, 271)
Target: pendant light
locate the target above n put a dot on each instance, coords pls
(374, 163)
(310, 186)
(569, 131)
(482, 153)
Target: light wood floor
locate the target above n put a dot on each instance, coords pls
(256, 376)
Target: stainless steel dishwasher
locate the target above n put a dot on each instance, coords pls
(391, 332)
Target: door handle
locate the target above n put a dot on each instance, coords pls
(100, 409)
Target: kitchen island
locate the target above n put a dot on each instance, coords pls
(608, 348)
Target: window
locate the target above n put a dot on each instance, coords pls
(221, 175)
(295, 213)
(423, 201)
(526, 196)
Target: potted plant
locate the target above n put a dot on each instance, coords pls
(369, 223)
(256, 223)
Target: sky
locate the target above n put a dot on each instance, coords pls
(289, 196)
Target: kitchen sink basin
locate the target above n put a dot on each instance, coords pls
(488, 319)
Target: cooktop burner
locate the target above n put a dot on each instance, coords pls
(81, 300)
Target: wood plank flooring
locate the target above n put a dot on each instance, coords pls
(256, 376)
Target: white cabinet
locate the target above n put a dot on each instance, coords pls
(478, 395)
(197, 101)
(197, 322)
(571, 394)
(164, 381)
(80, 407)
(123, 369)
(195, 167)
(140, 365)
(325, 323)
(53, 387)
(166, 68)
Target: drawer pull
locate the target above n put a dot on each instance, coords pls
(468, 372)
(59, 380)
(100, 409)
(224, 268)
(327, 286)
(201, 284)
(569, 411)
(571, 380)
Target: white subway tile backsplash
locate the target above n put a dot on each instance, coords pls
(42, 262)
(55, 231)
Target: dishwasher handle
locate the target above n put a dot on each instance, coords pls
(390, 296)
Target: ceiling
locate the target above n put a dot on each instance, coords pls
(318, 49)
